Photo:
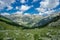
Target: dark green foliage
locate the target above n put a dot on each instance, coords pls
(1, 38)
(36, 36)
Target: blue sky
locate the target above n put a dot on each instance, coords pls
(29, 6)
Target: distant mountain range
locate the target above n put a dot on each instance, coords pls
(26, 20)
(31, 21)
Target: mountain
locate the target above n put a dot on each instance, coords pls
(5, 22)
(32, 21)
(26, 20)
(48, 20)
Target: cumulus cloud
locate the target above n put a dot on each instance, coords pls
(50, 11)
(9, 7)
(40, 13)
(49, 3)
(27, 14)
(2, 5)
(47, 12)
(5, 3)
(41, 9)
(23, 1)
(35, 0)
(4, 14)
(24, 7)
(17, 7)
(18, 13)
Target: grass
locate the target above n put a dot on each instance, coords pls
(26, 34)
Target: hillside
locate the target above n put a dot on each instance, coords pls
(32, 21)
(10, 30)
(26, 20)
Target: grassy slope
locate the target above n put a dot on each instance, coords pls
(27, 34)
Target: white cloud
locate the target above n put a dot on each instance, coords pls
(18, 13)
(5, 3)
(49, 3)
(35, 0)
(9, 7)
(44, 3)
(5, 14)
(24, 7)
(17, 7)
(40, 13)
(50, 11)
(23, 1)
(27, 14)
(2, 4)
(47, 12)
(41, 9)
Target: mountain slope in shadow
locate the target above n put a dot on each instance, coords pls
(46, 21)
